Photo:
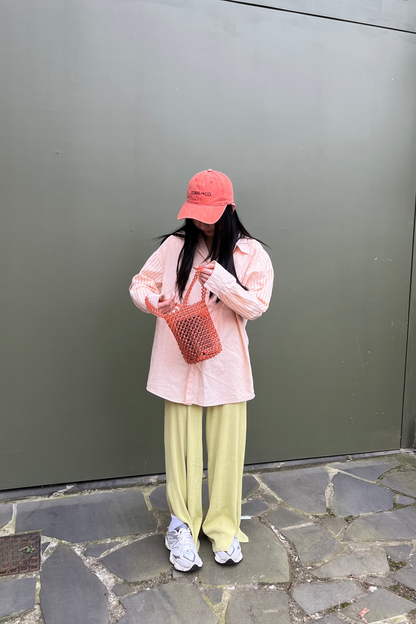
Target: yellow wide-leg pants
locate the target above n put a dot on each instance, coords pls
(226, 440)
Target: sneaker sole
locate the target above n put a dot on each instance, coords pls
(228, 562)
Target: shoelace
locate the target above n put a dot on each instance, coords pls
(184, 538)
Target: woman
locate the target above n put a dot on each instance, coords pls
(238, 274)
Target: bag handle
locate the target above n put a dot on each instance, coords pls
(156, 311)
(152, 308)
(192, 284)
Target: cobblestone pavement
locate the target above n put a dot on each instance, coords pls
(329, 540)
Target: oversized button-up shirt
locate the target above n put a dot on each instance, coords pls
(227, 377)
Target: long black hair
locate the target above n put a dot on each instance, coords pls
(228, 230)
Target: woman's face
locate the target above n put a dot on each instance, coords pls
(207, 229)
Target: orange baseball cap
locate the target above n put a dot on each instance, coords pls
(209, 193)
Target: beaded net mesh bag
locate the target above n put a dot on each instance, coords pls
(192, 327)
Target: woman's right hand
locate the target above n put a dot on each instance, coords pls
(166, 305)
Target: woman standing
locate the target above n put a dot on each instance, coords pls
(238, 274)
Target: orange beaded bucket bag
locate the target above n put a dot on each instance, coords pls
(192, 327)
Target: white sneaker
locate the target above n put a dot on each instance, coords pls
(183, 553)
(233, 554)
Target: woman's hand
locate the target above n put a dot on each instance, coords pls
(166, 305)
(206, 272)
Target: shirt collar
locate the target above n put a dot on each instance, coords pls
(244, 245)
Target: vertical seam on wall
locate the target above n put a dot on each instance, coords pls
(408, 323)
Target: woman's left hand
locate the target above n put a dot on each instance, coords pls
(205, 272)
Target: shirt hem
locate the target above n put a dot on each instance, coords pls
(205, 404)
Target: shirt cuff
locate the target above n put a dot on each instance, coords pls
(220, 279)
(154, 299)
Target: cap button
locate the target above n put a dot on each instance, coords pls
(209, 169)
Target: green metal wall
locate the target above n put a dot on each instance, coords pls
(108, 109)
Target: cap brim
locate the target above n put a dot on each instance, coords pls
(200, 212)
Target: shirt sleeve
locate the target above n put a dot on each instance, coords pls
(251, 303)
(148, 283)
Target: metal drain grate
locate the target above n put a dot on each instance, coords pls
(20, 553)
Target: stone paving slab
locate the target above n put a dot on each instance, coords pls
(382, 604)
(360, 564)
(89, 517)
(404, 500)
(368, 469)
(314, 597)
(404, 482)
(95, 550)
(283, 518)
(159, 501)
(158, 498)
(178, 602)
(215, 595)
(257, 606)
(6, 514)
(398, 553)
(250, 485)
(265, 559)
(353, 497)
(17, 595)
(142, 560)
(254, 507)
(407, 576)
(303, 489)
(396, 525)
(70, 592)
(314, 544)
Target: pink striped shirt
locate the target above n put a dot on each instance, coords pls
(226, 378)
